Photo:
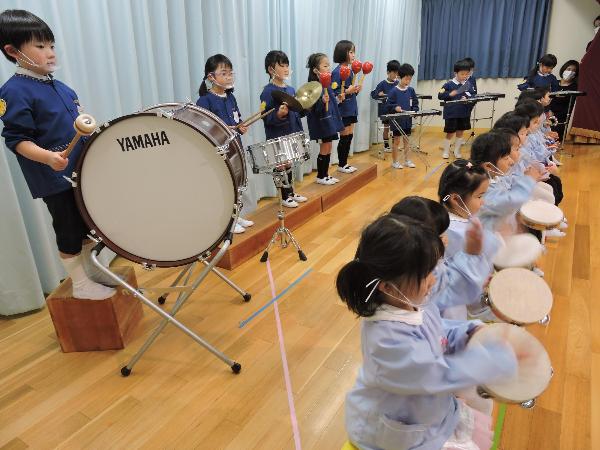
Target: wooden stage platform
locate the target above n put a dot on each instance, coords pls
(320, 199)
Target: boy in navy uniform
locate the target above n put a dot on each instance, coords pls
(38, 114)
(457, 116)
(282, 121)
(381, 93)
(402, 98)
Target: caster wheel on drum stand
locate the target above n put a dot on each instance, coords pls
(125, 371)
(264, 257)
(302, 256)
(247, 297)
(161, 300)
(236, 368)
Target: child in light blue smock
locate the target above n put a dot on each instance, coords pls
(413, 360)
(461, 274)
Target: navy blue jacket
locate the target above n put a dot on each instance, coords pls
(41, 111)
(349, 107)
(405, 99)
(539, 80)
(274, 126)
(321, 123)
(384, 86)
(225, 107)
(455, 110)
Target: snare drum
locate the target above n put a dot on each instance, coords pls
(161, 187)
(534, 369)
(279, 153)
(519, 296)
(540, 215)
(520, 250)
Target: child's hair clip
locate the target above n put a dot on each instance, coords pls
(446, 198)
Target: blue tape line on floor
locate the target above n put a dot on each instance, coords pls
(243, 323)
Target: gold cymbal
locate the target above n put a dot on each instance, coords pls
(309, 93)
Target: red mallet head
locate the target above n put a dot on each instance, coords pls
(325, 79)
(356, 66)
(344, 72)
(367, 67)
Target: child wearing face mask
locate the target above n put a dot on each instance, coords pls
(465, 267)
(282, 121)
(504, 197)
(344, 54)
(324, 119)
(539, 151)
(38, 112)
(219, 99)
(541, 74)
(413, 361)
(516, 127)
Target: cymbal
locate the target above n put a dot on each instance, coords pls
(290, 101)
(309, 93)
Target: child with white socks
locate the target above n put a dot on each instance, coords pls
(457, 115)
(38, 114)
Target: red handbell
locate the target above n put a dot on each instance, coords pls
(367, 67)
(356, 66)
(325, 79)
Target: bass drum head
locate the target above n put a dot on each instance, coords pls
(211, 126)
(155, 190)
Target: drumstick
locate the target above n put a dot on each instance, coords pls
(250, 119)
(326, 97)
(253, 119)
(84, 126)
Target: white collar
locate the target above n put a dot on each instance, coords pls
(455, 81)
(30, 73)
(224, 95)
(391, 82)
(402, 89)
(457, 218)
(394, 314)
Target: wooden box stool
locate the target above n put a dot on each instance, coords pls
(87, 325)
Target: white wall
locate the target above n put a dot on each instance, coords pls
(571, 28)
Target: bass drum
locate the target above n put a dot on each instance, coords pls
(161, 187)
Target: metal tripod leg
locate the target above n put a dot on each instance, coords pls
(169, 317)
(187, 270)
(234, 286)
(282, 232)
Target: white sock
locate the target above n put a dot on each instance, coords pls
(458, 143)
(90, 268)
(83, 287)
(447, 143)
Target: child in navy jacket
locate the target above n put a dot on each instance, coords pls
(324, 120)
(38, 114)
(381, 93)
(283, 121)
(219, 99)
(457, 115)
(402, 98)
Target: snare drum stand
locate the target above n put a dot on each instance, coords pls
(280, 180)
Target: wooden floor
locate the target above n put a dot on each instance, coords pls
(180, 396)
